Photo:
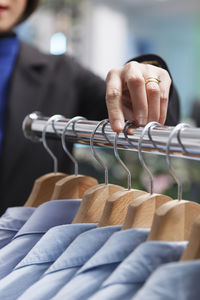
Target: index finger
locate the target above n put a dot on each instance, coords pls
(114, 100)
(164, 95)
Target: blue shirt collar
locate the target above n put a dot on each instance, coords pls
(117, 247)
(50, 214)
(178, 280)
(15, 217)
(53, 243)
(83, 247)
(139, 265)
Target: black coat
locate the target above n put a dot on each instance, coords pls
(51, 85)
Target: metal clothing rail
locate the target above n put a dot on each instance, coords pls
(34, 124)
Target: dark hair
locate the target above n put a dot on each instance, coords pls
(30, 8)
(195, 113)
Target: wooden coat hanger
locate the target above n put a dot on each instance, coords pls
(141, 210)
(94, 199)
(43, 186)
(73, 186)
(192, 250)
(174, 219)
(116, 206)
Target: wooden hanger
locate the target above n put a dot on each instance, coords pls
(93, 203)
(43, 188)
(192, 250)
(141, 211)
(73, 186)
(94, 199)
(44, 185)
(173, 220)
(116, 206)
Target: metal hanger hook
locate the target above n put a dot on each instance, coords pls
(141, 159)
(94, 154)
(73, 120)
(150, 134)
(105, 134)
(50, 120)
(54, 127)
(119, 159)
(174, 132)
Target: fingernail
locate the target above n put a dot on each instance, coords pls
(118, 125)
(142, 121)
(131, 131)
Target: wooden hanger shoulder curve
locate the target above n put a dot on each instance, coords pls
(173, 220)
(73, 187)
(43, 188)
(93, 203)
(192, 250)
(141, 211)
(116, 206)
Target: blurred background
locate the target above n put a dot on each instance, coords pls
(104, 34)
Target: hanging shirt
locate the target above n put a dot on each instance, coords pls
(94, 272)
(178, 281)
(11, 222)
(40, 257)
(132, 273)
(72, 259)
(46, 216)
(9, 47)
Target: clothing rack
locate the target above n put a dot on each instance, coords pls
(35, 122)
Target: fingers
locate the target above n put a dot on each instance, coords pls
(136, 86)
(153, 98)
(114, 100)
(164, 95)
(149, 98)
(130, 96)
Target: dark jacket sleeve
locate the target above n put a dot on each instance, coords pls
(173, 112)
(91, 91)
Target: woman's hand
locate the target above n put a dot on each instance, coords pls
(137, 92)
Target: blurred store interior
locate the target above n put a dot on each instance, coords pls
(104, 34)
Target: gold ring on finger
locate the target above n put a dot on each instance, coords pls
(152, 79)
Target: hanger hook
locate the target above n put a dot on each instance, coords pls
(104, 133)
(50, 120)
(73, 120)
(54, 127)
(141, 159)
(176, 130)
(103, 122)
(179, 137)
(150, 135)
(119, 159)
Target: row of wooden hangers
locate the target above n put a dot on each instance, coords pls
(109, 204)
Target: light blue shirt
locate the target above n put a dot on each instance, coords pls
(132, 273)
(40, 257)
(46, 216)
(97, 269)
(178, 281)
(72, 259)
(11, 222)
